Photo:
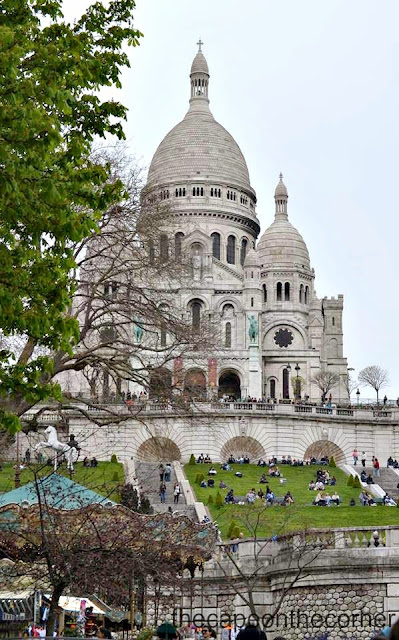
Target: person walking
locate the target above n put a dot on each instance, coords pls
(363, 458)
(162, 492)
(161, 472)
(376, 468)
(355, 456)
(168, 471)
(176, 493)
(385, 400)
(27, 456)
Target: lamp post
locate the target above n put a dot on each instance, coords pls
(297, 369)
(358, 396)
(288, 367)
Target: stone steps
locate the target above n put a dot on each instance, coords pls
(388, 480)
(147, 474)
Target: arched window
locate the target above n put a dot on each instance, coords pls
(164, 248)
(231, 250)
(252, 302)
(227, 335)
(301, 293)
(287, 291)
(151, 252)
(307, 295)
(243, 253)
(279, 291)
(196, 315)
(178, 240)
(272, 388)
(216, 245)
(264, 293)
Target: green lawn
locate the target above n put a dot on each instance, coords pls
(105, 479)
(301, 515)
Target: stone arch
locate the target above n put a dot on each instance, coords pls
(322, 448)
(156, 449)
(229, 384)
(242, 445)
(195, 384)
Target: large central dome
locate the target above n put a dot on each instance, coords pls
(199, 148)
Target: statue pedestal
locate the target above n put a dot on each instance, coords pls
(254, 372)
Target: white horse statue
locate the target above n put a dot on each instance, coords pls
(71, 454)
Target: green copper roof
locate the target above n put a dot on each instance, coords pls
(57, 492)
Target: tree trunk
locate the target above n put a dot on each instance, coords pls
(57, 593)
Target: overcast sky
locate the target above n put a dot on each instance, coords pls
(309, 88)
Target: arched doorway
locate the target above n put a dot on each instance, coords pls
(286, 384)
(242, 446)
(229, 385)
(272, 388)
(158, 449)
(323, 448)
(195, 384)
(160, 384)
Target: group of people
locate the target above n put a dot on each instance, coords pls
(242, 459)
(324, 499)
(323, 478)
(165, 473)
(90, 463)
(204, 459)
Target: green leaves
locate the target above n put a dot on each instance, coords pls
(51, 193)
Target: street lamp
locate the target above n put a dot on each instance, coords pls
(358, 395)
(297, 369)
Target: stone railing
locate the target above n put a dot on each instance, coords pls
(197, 408)
(314, 541)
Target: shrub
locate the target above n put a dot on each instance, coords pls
(192, 459)
(210, 499)
(199, 478)
(115, 477)
(146, 634)
(350, 481)
(231, 528)
(235, 533)
(218, 500)
(114, 458)
(356, 483)
(332, 462)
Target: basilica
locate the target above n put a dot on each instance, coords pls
(276, 333)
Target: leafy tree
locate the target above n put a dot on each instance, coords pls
(51, 193)
(356, 483)
(131, 499)
(192, 459)
(350, 481)
(375, 377)
(332, 462)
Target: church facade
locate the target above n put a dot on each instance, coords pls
(276, 334)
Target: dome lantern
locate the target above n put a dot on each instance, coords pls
(199, 76)
(281, 199)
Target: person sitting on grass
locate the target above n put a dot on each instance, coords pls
(207, 459)
(263, 479)
(312, 486)
(250, 497)
(327, 498)
(212, 471)
(388, 501)
(261, 463)
(363, 476)
(274, 472)
(261, 494)
(288, 499)
(229, 497)
(238, 474)
(222, 485)
(335, 498)
(211, 482)
(333, 481)
(369, 479)
(269, 495)
(319, 486)
(225, 467)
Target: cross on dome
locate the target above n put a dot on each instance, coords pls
(199, 43)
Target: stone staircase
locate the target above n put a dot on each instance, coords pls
(388, 481)
(147, 474)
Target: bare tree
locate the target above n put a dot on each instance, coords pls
(94, 549)
(325, 381)
(130, 327)
(350, 384)
(375, 377)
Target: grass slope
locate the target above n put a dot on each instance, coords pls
(301, 515)
(105, 479)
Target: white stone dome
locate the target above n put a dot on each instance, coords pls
(282, 245)
(199, 148)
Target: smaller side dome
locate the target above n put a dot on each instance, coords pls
(251, 259)
(281, 189)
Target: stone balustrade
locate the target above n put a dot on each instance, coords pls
(382, 414)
